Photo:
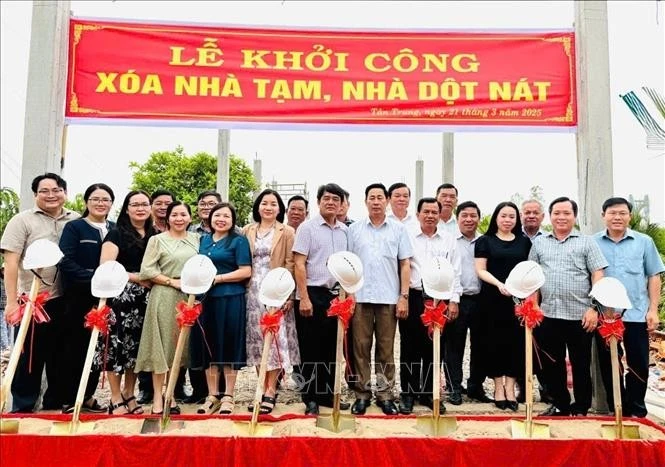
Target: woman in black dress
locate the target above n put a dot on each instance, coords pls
(497, 252)
(126, 244)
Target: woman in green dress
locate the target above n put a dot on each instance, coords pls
(164, 258)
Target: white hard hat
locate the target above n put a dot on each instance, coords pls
(276, 287)
(611, 293)
(109, 280)
(41, 253)
(197, 275)
(525, 278)
(438, 276)
(347, 269)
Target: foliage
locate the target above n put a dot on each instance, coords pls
(535, 192)
(187, 176)
(77, 204)
(484, 223)
(9, 206)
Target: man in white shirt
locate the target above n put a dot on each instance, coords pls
(399, 196)
(446, 194)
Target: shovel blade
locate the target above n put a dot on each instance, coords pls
(71, 428)
(8, 426)
(258, 429)
(519, 430)
(612, 432)
(151, 426)
(344, 422)
(432, 426)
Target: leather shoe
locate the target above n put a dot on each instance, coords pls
(359, 407)
(479, 396)
(429, 402)
(145, 397)
(512, 405)
(311, 408)
(455, 398)
(552, 411)
(503, 405)
(405, 404)
(388, 407)
(329, 403)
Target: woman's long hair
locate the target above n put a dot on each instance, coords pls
(124, 223)
(255, 208)
(494, 228)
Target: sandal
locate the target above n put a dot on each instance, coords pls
(137, 410)
(113, 407)
(210, 406)
(227, 405)
(267, 404)
(93, 407)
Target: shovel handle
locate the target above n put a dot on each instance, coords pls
(616, 386)
(267, 342)
(18, 345)
(528, 380)
(436, 383)
(177, 356)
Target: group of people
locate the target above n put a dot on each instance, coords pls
(153, 237)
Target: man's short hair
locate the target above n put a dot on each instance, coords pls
(297, 198)
(533, 200)
(161, 192)
(374, 186)
(346, 195)
(57, 178)
(397, 186)
(616, 201)
(563, 199)
(467, 205)
(444, 186)
(207, 193)
(427, 199)
(332, 188)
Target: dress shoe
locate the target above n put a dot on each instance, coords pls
(329, 403)
(359, 407)
(552, 411)
(503, 405)
(427, 401)
(388, 407)
(145, 397)
(455, 398)
(479, 396)
(512, 405)
(311, 408)
(405, 404)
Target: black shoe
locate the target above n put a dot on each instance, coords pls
(545, 396)
(311, 408)
(194, 399)
(427, 401)
(479, 396)
(359, 407)
(388, 407)
(145, 397)
(66, 408)
(503, 405)
(405, 404)
(552, 411)
(329, 403)
(512, 405)
(455, 398)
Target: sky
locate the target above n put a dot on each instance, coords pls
(489, 167)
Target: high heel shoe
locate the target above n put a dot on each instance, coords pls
(512, 405)
(501, 404)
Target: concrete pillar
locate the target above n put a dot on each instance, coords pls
(448, 159)
(45, 96)
(420, 174)
(258, 175)
(223, 151)
(594, 132)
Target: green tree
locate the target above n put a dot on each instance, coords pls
(9, 206)
(77, 204)
(187, 176)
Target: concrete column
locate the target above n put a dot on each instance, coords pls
(594, 133)
(420, 174)
(45, 96)
(223, 151)
(448, 159)
(258, 169)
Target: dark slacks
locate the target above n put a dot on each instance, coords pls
(478, 330)
(317, 339)
(636, 344)
(42, 350)
(413, 347)
(557, 335)
(455, 342)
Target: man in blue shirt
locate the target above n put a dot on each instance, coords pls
(634, 260)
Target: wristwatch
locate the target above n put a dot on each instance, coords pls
(405, 295)
(168, 282)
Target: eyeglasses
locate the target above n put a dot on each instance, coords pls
(54, 191)
(100, 200)
(139, 205)
(210, 204)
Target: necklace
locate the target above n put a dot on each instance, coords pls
(263, 233)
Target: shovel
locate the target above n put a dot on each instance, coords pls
(337, 422)
(160, 425)
(11, 426)
(253, 428)
(76, 426)
(528, 428)
(436, 425)
(618, 430)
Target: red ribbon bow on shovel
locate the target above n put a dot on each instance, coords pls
(270, 322)
(434, 315)
(611, 327)
(38, 312)
(187, 315)
(99, 318)
(529, 314)
(342, 309)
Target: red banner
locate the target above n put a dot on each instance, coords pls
(188, 74)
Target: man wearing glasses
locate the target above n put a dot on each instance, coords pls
(46, 220)
(204, 203)
(161, 199)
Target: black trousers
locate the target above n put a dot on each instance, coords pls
(317, 338)
(76, 337)
(636, 343)
(557, 335)
(43, 349)
(197, 379)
